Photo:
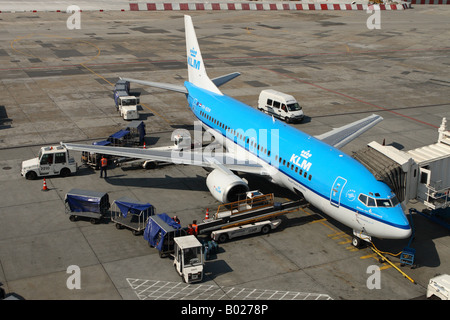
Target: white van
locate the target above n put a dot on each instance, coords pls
(280, 105)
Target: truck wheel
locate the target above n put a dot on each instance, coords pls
(65, 172)
(222, 238)
(265, 229)
(31, 175)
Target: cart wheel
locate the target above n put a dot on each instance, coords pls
(119, 226)
(73, 218)
(93, 220)
(136, 233)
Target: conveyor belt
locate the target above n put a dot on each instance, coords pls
(261, 213)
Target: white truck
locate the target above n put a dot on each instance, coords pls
(280, 105)
(126, 104)
(188, 258)
(52, 160)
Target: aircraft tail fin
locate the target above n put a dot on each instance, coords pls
(196, 67)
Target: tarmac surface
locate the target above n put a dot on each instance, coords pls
(57, 85)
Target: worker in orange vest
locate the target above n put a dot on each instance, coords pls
(195, 227)
(103, 167)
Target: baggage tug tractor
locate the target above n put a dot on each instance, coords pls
(188, 258)
(52, 160)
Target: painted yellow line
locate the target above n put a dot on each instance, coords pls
(82, 64)
(159, 115)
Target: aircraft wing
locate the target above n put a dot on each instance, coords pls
(222, 161)
(339, 137)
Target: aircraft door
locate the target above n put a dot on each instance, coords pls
(336, 190)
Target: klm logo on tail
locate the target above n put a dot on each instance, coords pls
(194, 63)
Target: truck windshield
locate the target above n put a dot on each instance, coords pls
(129, 102)
(294, 107)
(192, 255)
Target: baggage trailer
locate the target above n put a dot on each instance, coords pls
(161, 231)
(92, 205)
(131, 214)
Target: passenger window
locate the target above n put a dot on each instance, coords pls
(310, 177)
(276, 104)
(269, 102)
(60, 157)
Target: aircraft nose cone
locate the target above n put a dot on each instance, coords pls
(403, 233)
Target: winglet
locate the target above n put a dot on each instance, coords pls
(196, 67)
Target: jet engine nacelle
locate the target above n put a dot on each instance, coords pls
(225, 187)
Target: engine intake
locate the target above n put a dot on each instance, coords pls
(225, 187)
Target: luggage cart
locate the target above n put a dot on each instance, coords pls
(131, 214)
(92, 205)
(160, 233)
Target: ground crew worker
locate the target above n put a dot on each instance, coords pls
(175, 218)
(190, 230)
(195, 227)
(103, 167)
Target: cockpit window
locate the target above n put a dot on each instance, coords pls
(394, 201)
(363, 198)
(381, 203)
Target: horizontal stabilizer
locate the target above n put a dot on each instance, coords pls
(161, 85)
(224, 79)
(339, 137)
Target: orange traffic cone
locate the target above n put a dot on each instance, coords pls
(144, 144)
(207, 214)
(44, 188)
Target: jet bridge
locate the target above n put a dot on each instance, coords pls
(422, 173)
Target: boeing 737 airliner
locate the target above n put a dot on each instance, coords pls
(312, 167)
